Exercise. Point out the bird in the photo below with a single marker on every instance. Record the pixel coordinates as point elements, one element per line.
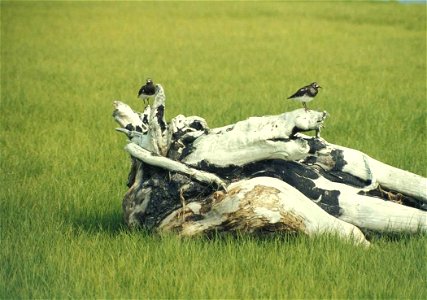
<point>147,90</point>
<point>306,94</point>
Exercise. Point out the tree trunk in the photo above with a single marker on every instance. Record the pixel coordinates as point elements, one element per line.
<point>260,175</point>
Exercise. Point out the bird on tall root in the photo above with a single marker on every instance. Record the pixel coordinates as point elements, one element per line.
<point>147,90</point>
<point>306,94</point>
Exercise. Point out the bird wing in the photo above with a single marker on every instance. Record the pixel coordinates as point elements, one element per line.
<point>301,92</point>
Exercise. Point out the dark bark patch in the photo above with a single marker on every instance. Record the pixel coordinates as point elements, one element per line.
<point>346,178</point>
<point>130,127</point>
<point>293,173</point>
<point>186,151</point>
<point>338,158</point>
<point>194,218</point>
<point>159,116</point>
<point>165,196</point>
<point>132,173</point>
<point>145,119</point>
<point>279,140</point>
<point>390,195</point>
<point>196,125</point>
<point>294,131</point>
<point>315,145</point>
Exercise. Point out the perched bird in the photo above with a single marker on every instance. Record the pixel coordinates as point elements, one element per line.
<point>147,90</point>
<point>306,94</point>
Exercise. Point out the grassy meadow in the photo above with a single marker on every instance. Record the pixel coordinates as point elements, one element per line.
<point>63,168</point>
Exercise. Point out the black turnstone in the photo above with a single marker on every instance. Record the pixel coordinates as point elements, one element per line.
<point>147,90</point>
<point>306,94</point>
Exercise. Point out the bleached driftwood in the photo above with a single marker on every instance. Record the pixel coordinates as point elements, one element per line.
<point>260,174</point>
<point>260,204</point>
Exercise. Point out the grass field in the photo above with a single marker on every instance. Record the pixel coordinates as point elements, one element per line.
<point>63,168</point>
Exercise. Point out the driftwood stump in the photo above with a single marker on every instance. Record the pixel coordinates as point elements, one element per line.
<point>260,175</point>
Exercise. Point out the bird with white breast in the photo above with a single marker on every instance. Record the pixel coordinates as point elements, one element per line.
<point>306,94</point>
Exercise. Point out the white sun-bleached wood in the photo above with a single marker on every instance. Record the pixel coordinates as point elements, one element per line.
<point>258,139</point>
<point>264,202</point>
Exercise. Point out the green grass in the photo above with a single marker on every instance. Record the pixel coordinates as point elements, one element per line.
<point>63,168</point>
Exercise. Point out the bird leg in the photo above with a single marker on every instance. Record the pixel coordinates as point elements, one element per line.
<point>305,106</point>
<point>146,102</point>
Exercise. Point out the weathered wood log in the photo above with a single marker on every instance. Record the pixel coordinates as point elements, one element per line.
<point>260,174</point>
<point>256,139</point>
<point>261,204</point>
<point>171,165</point>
